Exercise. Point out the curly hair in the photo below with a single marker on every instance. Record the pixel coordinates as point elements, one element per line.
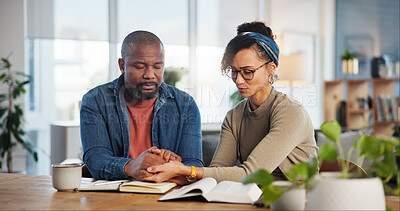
<point>244,42</point>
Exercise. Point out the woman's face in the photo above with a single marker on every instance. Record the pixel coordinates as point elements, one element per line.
<point>248,59</point>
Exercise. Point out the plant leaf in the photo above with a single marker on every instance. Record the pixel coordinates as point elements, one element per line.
<point>35,156</point>
<point>264,179</point>
<point>332,130</point>
<point>24,83</point>
<point>5,140</point>
<point>312,166</point>
<point>328,152</point>
<point>18,110</point>
<point>260,177</point>
<point>3,111</point>
<point>271,193</point>
<point>372,148</point>
<point>236,97</point>
<point>2,76</point>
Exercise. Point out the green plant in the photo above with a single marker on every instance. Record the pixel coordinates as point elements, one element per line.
<point>381,154</point>
<point>264,179</point>
<point>11,114</point>
<point>173,75</point>
<point>348,55</point>
<point>236,98</point>
<point>299,174</point>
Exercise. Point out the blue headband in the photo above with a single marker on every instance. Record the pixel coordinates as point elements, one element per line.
<point>267,44</point>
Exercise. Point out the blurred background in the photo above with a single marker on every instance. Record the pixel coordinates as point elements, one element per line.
<point>71,46</point>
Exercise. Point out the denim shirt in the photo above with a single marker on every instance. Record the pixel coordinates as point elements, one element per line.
<point>105,130</point>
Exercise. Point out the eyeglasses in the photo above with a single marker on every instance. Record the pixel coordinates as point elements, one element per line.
<point>247,74</point>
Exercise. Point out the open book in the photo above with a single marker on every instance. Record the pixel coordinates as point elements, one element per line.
<point>225,191</point>
<point>133,186</point>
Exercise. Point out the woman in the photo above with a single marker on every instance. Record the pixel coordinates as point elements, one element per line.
<point>267,130</point>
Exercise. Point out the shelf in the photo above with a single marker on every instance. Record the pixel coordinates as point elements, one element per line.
<point>360,111</point>
<point>351,91</point>
<point>384,80</point>
<point>386,122</point>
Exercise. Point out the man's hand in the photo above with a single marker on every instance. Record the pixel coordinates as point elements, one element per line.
<point>136,168</point>
<point>166,154</point>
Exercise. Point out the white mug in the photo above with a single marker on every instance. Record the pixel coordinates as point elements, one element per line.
<point>293,199</point>
<point>66,176</point>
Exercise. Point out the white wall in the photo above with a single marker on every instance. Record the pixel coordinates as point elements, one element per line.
<point>12,40</point>
<point>376,33</point>
<point>12,31</point>
<point>314,17</point>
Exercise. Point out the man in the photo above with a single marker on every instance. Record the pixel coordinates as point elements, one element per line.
<point>136,121</point>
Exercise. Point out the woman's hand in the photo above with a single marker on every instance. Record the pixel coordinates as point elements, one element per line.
<point>171,171</point>
<point>180,180</point>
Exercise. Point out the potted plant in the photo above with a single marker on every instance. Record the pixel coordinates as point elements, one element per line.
<point>301,178</point>
<point>346,189</point>
<point>236,98</point>
<point>349,62</point>
<point>173,75</point>
<point>11,114</point>
<point>378,156</point>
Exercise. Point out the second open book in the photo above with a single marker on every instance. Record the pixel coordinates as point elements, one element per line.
<point>225,191</point>
<point>133,186</point>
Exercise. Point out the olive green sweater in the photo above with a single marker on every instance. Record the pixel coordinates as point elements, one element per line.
<point>276,135</point>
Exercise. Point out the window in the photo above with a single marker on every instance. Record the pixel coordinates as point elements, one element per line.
<point>78,67</point>
<point>217,22</point>
<point>73,46</point>
<point>169,20</point>
<point>67,54</point>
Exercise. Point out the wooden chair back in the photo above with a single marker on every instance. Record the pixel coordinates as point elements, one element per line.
<point>334,166</point>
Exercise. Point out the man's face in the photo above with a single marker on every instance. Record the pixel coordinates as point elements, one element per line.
<point>143,70</point>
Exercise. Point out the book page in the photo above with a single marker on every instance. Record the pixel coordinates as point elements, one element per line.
<point>195,189</point>
<point>146,187</point>
<point>100,185</point>
<point>234,192</point>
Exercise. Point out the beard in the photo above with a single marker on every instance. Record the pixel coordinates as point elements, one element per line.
<point>134,93</point>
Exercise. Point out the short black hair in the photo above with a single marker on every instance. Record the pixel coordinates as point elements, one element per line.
<point>138,37</point>
<point>244,42</point>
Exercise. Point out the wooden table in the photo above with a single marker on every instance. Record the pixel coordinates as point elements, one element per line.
<point>35,192</point>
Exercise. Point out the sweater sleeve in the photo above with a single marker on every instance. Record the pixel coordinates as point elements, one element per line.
<point>290,126</point>
<point>226,153</point>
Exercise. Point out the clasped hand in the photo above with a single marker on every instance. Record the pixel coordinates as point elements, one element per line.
<point>172,171</point>
<point>137,168</point>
